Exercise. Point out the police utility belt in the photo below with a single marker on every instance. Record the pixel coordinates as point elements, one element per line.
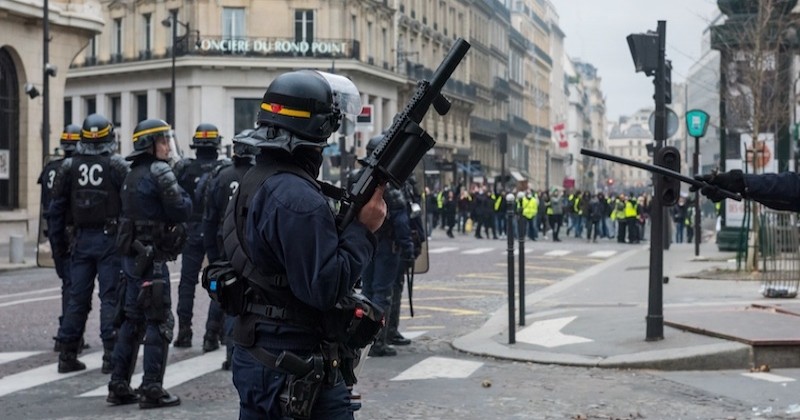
<point>150,243</point>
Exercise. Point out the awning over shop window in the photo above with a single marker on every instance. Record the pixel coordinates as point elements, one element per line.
<point>516,175</point>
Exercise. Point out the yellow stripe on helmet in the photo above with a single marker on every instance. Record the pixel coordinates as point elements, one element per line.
<point>206,134</point>
<point>94,134</point>
<point>282,110</point>
<point>70,136</point>
<point>149,131</point>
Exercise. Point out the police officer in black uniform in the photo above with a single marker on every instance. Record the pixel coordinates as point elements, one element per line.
<point>394,246</point>
<point>87,187</point>
<point>69,142</point>
<point>206,141</point>
<point>222,184</point>
<point>151,232</point>
<point>306,266</point>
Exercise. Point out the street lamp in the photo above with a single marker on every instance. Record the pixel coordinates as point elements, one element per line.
<point>168,22</point>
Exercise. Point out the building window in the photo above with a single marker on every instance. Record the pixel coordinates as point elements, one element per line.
<point>148,35</point>
<point>245,113</point>
<point>67,111</point>
<point>304,25</point>
<point>141,107</point>
<point>116,111</point>
<point>233,23</point>
<point>116,54</point>
<point>91,105</point>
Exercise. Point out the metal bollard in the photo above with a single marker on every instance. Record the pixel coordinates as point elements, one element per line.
<point>16,250</point>
<point>522,228</point>
<point>510,234</point>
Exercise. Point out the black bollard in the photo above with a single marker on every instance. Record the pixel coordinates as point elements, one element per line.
<point>522,226</point>
<point>510,233</point>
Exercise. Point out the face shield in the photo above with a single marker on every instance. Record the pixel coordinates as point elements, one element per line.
<point>347,99</point>
<point>175,152</point>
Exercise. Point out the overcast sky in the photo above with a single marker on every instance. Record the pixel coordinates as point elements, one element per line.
<point>596,30</point>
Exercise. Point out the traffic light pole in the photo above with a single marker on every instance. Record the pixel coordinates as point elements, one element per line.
<point>655,302</point>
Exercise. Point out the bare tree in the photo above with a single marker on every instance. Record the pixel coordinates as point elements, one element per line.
<point>757,44</point>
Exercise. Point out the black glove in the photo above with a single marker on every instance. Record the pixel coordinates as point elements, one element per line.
<point>732,181</point>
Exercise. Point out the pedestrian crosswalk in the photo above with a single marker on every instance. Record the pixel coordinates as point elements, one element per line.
<point>604,254</point>
<point>188,369</point>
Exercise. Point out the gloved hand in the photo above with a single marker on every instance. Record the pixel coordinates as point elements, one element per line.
<point>407,255</point>
<point>732,181</point>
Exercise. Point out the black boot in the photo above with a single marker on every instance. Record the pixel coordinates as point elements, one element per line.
<point>184,335</point>
<point>68,358</point>
<point>155,396</point>
<point>381,349</point>
<point>108,357</point>
<point>121,393</point>
<point>210,341</point>
<point>397,339</point>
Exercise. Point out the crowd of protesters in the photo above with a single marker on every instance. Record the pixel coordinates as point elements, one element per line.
<point>482,211</point>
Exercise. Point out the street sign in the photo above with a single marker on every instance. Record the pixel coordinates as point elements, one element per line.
<point>365,117</point>
<point>696,122</point>
<point>672,122</point>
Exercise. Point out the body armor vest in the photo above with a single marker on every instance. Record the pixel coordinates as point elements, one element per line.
<point>228,181</point>
<point>273,289</point>
<point>188,179</point>
<point>94,197</point>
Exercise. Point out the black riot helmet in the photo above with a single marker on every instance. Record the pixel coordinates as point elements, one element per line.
<point>97,136</point>
<point>303,108</point>
<point>373,143</point>
<point>145,134</point>
<point>206,135</point>
<point>70,138</point>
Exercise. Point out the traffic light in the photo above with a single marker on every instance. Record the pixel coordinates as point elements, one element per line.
<point>669,157</point>
<point>644,51</point>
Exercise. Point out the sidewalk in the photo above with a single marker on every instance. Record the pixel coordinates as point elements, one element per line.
<point>598,318</point>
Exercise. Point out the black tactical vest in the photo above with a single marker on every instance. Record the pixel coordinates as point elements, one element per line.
<point>189,177</point>
<point>94,197</point>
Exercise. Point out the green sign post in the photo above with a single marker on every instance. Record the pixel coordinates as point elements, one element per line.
<point>696,125</point>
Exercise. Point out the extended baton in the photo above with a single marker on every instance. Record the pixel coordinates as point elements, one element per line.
<point>661,171</point>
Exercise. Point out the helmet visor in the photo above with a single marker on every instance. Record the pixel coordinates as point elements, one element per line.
<point>345,93</point>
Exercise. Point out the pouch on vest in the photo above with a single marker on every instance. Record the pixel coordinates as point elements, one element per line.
<point>225,287</point>
<point>356,321</point>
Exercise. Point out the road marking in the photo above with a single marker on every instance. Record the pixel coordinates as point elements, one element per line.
<point>21,301</point>
<point>548,333</point>
<point>44,374</point>
<point>439,367</point>
<point>557,253</point>
<point>478,251</point>
<point>602,254</point>
<point>769,377</point>
<point>516,251</point>
<point>455,289</point>
<point>176,373</point>
<point>16,355</point>
<point>412,334</point>
<point>442,250</point>
<point>454,311</point>
<point>32,292</point>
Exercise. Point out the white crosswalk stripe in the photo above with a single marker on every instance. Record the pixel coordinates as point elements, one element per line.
<point>602,254</point>
<point>478,251</point>
<point>45,374</point>
<point>442,250</point>
<point>176,373</point>
<point>439,367</point>
<point>769,377</point>
<point>16,355</point>
<point>557,253</point>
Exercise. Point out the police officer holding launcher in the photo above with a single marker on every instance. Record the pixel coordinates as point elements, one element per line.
<point>154,208</point>
<point>69,142</point>
<point>290,230</point>
<point>205,142</point>
<point>87,187</point>
<point>222,184</point>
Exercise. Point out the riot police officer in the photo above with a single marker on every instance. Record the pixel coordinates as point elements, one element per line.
<point>306,266</point>
<point>154,208</point>
<point>205,142</point>
<point>222,185</point>
<point>69,142</point>
<point>87,187</point>
<point>394,246</point>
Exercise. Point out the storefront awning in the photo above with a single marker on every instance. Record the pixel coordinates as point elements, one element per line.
<point>517,176</point>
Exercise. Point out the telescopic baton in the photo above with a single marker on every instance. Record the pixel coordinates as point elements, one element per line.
<point>661,171</point>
